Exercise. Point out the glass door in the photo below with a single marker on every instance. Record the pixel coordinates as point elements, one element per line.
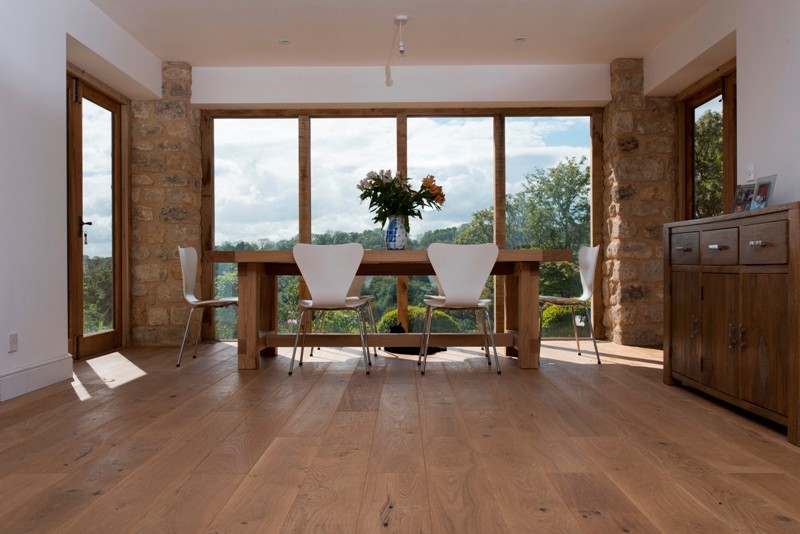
<point>92,226</point>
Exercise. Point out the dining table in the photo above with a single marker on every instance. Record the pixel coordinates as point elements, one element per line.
<point>516,302</point>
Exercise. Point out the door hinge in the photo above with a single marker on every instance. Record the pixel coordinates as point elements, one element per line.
<point>77,347</point>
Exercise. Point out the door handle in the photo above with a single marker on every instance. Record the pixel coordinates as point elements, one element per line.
<point>81,224</point>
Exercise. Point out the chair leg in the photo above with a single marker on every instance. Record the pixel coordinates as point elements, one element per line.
<point>484,329</point>
<point>491,338</point>
<point>372,322</point>
<point>199,332</point>
<point>591,331</point>
<point>426,336</point>
<point>575,329</point>
<point>321,331</point>
<point>300,320</point>
<point>185,335</point>
<point>362,331</point>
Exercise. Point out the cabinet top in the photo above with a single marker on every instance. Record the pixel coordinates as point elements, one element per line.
<point>737,216</point>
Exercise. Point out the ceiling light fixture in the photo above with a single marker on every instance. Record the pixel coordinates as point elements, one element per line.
<point>401,46</point>
<point>399,21</point>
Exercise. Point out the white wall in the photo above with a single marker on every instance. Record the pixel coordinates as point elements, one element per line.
<point>33,50</point>
<point>768,87</point>
<point>33,297</point>
<point>485,85</point>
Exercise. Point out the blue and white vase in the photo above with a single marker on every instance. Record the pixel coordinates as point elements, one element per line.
<point>396,235</point>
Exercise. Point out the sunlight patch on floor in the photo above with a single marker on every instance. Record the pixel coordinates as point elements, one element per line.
<point>80,389</point>
<point>115,370</point>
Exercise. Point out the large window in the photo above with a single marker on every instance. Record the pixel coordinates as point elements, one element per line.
<point>292,176</point>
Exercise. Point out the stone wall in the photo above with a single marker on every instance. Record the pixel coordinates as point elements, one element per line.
<point>165,206</point>
<point>640,170</point>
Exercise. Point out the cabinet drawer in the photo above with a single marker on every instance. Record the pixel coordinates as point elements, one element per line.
<point>764,244</point>
<point>684,248</point>
<point>719,247</point>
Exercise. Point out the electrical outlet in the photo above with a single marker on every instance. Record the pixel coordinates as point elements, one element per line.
<point>13,344</point>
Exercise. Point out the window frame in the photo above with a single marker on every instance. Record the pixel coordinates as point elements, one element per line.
<point>722,81</point>
<point>595,115</point>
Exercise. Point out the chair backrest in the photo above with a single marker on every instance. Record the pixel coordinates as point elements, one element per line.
<point>587,263</point>
<point>328,270</point>
<point>188,257</point>
<point>462,270</point>
<point>355,287</point>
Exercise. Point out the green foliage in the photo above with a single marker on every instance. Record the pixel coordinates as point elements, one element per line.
<point>557,322</point>
<point>479,230</point>
<point>98,294</point>
<point>553,209</point>
<point>441,321</point>
<point>708,165</point>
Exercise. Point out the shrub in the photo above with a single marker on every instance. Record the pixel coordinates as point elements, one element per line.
<point>442,322</point>
<point>557,322</point>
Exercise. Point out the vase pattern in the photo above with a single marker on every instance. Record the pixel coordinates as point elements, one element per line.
<point>396,237</point>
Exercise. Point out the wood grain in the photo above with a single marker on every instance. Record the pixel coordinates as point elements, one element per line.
<point>569,447</point>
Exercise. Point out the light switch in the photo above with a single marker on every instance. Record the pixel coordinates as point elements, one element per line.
<point>750,173</point>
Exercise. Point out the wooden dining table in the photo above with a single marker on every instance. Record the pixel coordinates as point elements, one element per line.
<point>516,302</point>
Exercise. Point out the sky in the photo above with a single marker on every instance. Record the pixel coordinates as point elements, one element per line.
<point>97,166</point>
<point>256,168</point>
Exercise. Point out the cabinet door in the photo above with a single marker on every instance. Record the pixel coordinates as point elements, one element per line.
<point>719,332</point>
<point>684,323</point>
<point>764,341</point>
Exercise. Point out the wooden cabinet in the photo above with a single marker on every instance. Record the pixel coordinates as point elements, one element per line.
<point>731,310</point>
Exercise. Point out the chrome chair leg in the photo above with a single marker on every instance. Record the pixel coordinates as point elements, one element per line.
<point>426,336</point>
<point>362,331</point>
<point>185,335</point>
<point>491,338</point>
<point>575,329</point>
<point>300,319</point>
<point>591,331</point>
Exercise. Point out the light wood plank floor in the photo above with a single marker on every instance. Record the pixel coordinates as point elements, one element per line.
<point>136,445</point>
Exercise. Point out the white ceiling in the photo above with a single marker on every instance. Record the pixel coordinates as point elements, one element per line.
<point>216,33</point>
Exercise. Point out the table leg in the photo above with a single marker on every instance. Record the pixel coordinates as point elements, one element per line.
<point>527,314</point>
<point>249,292</point>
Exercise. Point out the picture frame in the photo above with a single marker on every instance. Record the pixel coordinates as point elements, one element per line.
<point>744,197</point>
<point>763,192</point>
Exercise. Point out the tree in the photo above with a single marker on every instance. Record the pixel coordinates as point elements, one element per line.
<point>708,165</point>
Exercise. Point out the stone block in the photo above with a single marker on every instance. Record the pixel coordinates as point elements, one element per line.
<point>157,316</point>
<point>144,335</point>
<point>171,109</point>
<point>172,214</point>
<point>142,213</point>
<point>175,180</point>
<point>149,272</point>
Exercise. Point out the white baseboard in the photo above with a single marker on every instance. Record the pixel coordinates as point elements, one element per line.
<point>22,380</point>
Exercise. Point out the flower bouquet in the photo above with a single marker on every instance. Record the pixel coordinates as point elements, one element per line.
<point>393,196</point>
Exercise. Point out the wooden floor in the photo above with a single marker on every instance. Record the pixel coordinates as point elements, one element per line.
<point>136,445</point>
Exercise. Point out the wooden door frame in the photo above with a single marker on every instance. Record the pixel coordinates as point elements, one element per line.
<point>80,85</point>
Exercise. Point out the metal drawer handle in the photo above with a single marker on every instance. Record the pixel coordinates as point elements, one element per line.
<point>683,249</point>
<point>717,247</point>
<point>758,243</point>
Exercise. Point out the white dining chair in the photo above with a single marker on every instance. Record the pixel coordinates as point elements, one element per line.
<point>587,264</point>
<point>328,271</point>
<point>188,260</point>
<point>355,291</point>
<point>461,271</point>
